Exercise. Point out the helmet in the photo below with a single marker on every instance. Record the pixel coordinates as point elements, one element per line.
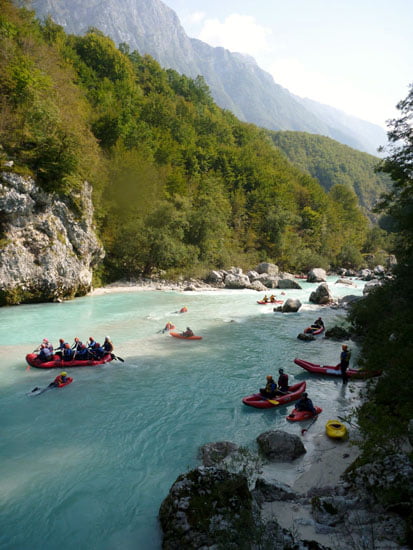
<point>45,340</point>
<point>91,338</point>
<point>97,345</point>
<point>83,346</point>
<point>269,377</point>
<point>281,370</point>
<point>67,346</point>
<point>61,339</point>
<point>344,346</point>
<point>187,328</point>
<point>305,394</point>
<point>107,338</point>
<point>76,339</point>
<point>64,373</point>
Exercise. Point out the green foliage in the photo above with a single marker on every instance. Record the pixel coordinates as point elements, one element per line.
<point>384,319</point>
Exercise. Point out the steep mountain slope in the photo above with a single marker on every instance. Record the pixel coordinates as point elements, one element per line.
<point>237,83</point>
<point>331,163</point>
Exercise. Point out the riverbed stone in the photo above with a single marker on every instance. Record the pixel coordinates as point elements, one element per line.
<point>317,275</point>
<point>280,446</point>
<point>321,295</point>
<point>291,305</point>
<point>214,453</point>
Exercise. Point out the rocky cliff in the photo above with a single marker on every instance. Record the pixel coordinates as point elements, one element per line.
<point>47,249</point>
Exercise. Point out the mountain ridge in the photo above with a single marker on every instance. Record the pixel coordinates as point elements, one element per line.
<point>236,81</point>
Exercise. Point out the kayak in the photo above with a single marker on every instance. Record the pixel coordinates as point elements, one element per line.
<point>334,370</point>
<point>262,303</point>
<point>179,335</point>
<point>310,330</point>
<point>57,362</point>
<point>38,391</point>
<point>297,416</point>
<point>336,429</point>
<point>260,402</point>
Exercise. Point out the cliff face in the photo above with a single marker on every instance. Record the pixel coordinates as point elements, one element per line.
<point>47,251</point>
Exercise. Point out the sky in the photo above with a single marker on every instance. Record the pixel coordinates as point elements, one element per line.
<point>355,55</point>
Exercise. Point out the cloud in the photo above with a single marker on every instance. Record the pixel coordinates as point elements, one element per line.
<point>194,18</point>
<point>237,33</point>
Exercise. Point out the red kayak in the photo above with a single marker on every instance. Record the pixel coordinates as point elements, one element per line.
<point>260,402</point>
<point>57,362</point>
<point>334,370</point>
<point>262,303</point>
<point>297,416</point>
<point>180,335</point>
<point>310,330</point>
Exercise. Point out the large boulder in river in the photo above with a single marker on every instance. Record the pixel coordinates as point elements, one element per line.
<point>280,446</point>
<point>207,507</point>
<point>321,295</point>
<point>291,305</point>
<point>236,280</point>
<point>317,275</point>
<point>258,286</point>
<point>265,267</point>
<point>288,283</point>
<point>306,336</point>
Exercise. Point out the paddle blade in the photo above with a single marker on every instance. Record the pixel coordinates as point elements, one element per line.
<point>273,401</point>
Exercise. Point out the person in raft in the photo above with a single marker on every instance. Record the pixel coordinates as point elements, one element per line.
<point>68,352</point>
<point>77,344</point>
<point>344,362</point>
<point>273,298</point>
<point>59,380</point>
<point>270,388</point>
<point>45,354</point>
<point>318,323</point>
<point>282,382</point>
<point>107,345</point>
<point>265,299</point>
<point>61,347</point>
<point>305,404</point>
<point>82,354</point>
<point>188,332</point>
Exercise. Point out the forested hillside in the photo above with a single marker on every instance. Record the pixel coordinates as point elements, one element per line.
<point>331,163</point>
<point>179,184</point>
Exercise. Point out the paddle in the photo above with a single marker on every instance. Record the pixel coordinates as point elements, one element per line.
<point>39,391</point>
<point>117,357</point>
<point>304,430</point>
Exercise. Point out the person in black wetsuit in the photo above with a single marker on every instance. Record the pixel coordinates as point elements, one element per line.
<point>282,382</point>
<point>305,404</point>
<point>344,362</point>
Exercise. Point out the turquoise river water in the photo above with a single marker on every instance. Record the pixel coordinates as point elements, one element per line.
<point>87,466</point>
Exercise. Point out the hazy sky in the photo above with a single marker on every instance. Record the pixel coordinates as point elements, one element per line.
<point>355,55</point>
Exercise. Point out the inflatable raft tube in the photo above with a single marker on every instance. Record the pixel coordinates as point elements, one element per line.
<point>298,416</point>
<point>182,337</point>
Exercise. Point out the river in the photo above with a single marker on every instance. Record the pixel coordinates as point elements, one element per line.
<point>88,465</point>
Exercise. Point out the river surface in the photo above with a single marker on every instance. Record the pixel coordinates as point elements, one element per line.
<point>87,466</point>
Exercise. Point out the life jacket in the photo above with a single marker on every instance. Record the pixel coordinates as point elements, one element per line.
<point>271,386</point>
<point>60,380</point>
<point>345,356</point>
<point>108,346</point>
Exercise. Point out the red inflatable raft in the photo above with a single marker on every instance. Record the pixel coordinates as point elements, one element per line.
<point>260,402</point>
<point>334,370</point>
<point>262,303</point>
<point>310,330</point>
<point>180,335</point>
<point>297,416</point>
<point>57,362</point>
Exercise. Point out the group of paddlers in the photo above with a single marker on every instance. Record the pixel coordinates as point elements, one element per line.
<point>78,350</point>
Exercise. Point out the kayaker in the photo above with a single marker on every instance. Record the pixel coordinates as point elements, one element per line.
<point>91,343</point>
<point>265,299</point>
<point>168,326</point>
<point>305,404</point>
<point>187,333</point>
<point>318,323</point>
<point>59,380</point>
<point>273,298</point>
<point>344,362</point>
<point>282,381</point>
<point>270,388</point>
<point>107,345</point>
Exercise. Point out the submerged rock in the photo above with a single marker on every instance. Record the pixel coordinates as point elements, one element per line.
<point>307,337</point>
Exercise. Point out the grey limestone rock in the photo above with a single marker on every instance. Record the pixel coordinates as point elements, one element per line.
<point>321,295</point>
<point>280,446</point>
<point>317,275</point>
<point>291,305</point>
<point>213,453</point>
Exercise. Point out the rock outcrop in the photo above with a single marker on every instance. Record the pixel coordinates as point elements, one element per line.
<point>47,250</point>
<point>280,446</point>
<point>321,295</point>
